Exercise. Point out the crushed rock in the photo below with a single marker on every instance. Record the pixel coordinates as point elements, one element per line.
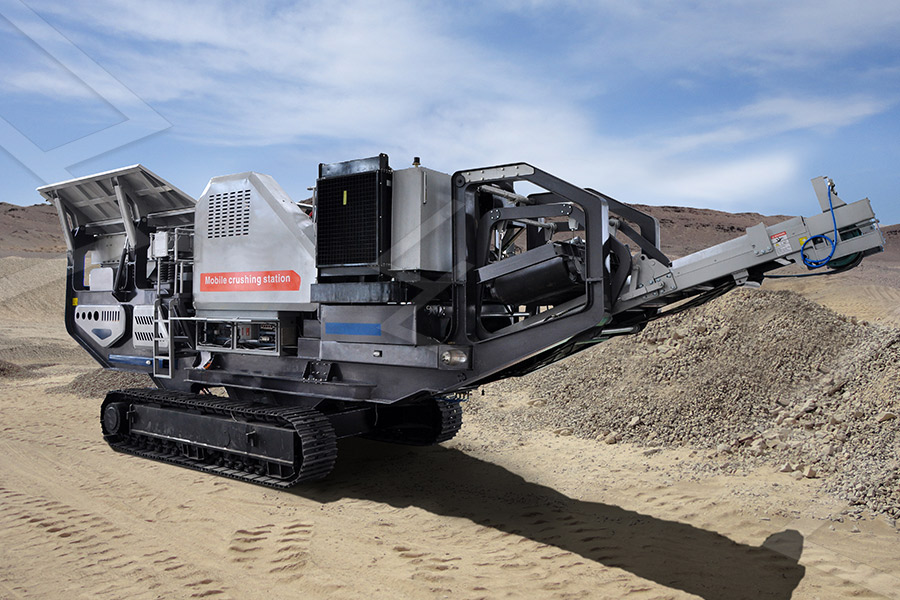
<point>100,381</point>
<point>774,378</point>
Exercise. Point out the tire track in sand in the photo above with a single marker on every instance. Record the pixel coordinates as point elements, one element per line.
<point>97,556</point>
<point>280,551</point>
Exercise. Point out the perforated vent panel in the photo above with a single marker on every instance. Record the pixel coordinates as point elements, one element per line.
<point>229,214</point>
<point>105,324</point>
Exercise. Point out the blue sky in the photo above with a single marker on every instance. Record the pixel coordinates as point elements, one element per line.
<point>733,105</point>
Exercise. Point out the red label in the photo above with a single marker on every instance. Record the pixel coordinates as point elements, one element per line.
<point>250,281</point>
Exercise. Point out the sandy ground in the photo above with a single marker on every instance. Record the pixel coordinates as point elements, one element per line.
<point>492,514</point>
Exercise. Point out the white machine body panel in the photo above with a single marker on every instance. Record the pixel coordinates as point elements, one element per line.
<point>254,248</point>
<point>103,323</point>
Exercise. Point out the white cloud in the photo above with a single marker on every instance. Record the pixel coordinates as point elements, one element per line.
<point>787,114</point>
<point>728,185</point>
<point>773,117</point>
<point>737,35</point>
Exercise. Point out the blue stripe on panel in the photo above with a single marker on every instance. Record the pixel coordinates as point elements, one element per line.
<point>336,328</point>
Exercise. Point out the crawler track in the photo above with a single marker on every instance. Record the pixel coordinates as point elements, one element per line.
<point>316,447</point>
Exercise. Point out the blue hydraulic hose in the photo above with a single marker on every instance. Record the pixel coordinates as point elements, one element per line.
<point>815,264</point>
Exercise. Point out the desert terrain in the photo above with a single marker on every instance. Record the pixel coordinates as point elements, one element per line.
<point>746,449</point>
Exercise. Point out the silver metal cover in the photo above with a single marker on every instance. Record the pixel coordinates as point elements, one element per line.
<point>254,248</point>
<point>104,323</point>
<point>101,279</point>
<point>421,225</point>
<point>92,200</point>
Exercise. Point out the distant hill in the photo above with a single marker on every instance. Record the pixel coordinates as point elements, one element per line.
<point>30,231</point>
<point>685,230</point>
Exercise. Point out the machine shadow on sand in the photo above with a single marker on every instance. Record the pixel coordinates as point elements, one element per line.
<point>450,483</point>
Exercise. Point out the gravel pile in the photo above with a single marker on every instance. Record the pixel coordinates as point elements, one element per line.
<point>97,383</point>
<point>755,376</point>
<point>13,371</point>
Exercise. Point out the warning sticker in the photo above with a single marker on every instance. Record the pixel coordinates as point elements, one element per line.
<point>782,243</point>
<point>250,281</point>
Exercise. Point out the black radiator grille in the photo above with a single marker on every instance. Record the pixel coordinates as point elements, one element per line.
<point>349,211</point>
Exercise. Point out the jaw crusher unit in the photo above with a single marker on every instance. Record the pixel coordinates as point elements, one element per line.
<point>373,308</point>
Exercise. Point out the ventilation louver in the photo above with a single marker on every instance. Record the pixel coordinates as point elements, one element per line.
<point>142,331</point>
<point>229,214</point>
